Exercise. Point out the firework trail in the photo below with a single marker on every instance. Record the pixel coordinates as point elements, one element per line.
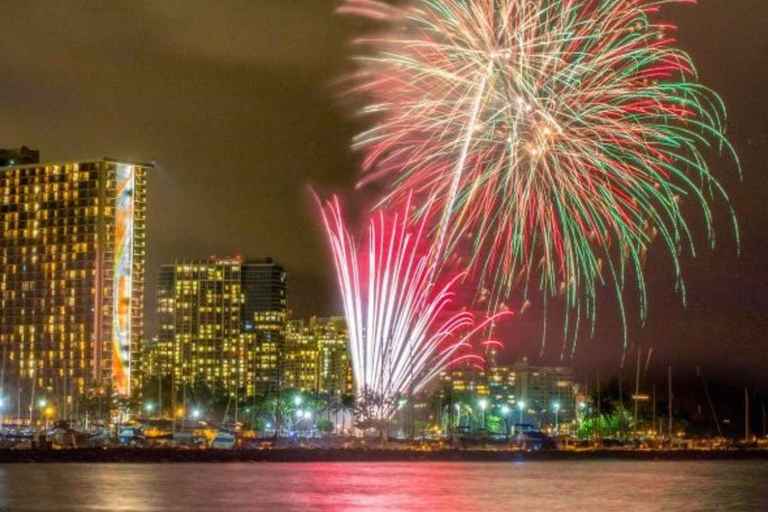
<point>400,330</point>
<point>558,137</point>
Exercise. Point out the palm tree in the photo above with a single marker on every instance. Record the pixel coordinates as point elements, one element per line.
<point>333,408</point>
<point>347,405</point>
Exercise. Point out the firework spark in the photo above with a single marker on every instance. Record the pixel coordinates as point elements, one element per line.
<point>558,136</point>
<point>400,330</point>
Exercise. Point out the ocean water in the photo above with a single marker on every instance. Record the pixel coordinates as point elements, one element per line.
<point>420,486</point>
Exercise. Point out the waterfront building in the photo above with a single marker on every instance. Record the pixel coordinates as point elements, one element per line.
<point>264,316</point>
<point>302,358</point>
<point>154,361</point>
<point>222,325</point>
<point>335,366</point>
<point>317,359</point>
<point>501,384</point>
<point>548,393</point>
<point>467,379</point>
<point>72,249</point>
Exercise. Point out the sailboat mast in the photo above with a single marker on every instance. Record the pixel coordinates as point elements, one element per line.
<point>669,386</point>
<point>637,389</point>
<point>746,415</point>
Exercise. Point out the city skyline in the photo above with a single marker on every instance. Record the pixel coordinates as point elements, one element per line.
<point>255,201</point>
<point>417,254</point>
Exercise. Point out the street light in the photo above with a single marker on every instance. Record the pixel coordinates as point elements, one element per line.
<point>521,406</point>
<point>483,403</point>
<point>297,402</point>
<point>41,404</point>
<point>148,407</point>
<point>195,414</point>
<point>505,410</point>
<point>556,407</point>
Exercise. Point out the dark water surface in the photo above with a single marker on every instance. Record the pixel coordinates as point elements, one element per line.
<point>423,486</point>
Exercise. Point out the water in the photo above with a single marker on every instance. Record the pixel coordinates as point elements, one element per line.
<point>445,487</point>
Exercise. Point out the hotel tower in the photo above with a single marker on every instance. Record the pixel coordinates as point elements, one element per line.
<point>222,325</point>
<point>72,245</point>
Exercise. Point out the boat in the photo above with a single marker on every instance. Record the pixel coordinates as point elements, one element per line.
<point>224,441</point>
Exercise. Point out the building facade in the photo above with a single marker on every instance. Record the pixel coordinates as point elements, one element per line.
<point>317,358</point>
<point>465,380</point>
<point>72,250</point>
<point>547,392</point>
<point>335,366</point>
<point>538,396</point>
<point>302,358</point>
<point>264,317</point>
<point>222,325</point>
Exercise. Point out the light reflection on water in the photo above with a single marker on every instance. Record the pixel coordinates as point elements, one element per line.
<point>425,486</point>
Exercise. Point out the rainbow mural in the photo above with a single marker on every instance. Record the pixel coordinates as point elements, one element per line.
<point>123,279</point>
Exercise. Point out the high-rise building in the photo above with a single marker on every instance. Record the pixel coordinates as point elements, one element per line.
<point>548,393</point>
<point>317,358</point>
<point>222,324</point>
<point>335,372</point>
<point>501,384</point>
<point>200,313</point>
<point>466,379</point>
<point>154,362</point>
<point>302,358</point>
<point>72,245</point>
<point>264,316</point>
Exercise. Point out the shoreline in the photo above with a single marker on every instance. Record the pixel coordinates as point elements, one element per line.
<point>299,455</point>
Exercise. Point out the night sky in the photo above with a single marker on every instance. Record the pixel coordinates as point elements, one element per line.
<point>235,102</point>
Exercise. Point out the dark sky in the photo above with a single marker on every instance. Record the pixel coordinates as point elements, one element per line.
<point>235,102</point>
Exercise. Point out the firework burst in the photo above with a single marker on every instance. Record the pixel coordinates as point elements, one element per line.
<point>558,137</point>
<point>401,332</point>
